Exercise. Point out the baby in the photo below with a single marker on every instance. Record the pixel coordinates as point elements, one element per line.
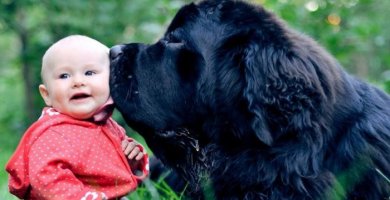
<point>75,150</point>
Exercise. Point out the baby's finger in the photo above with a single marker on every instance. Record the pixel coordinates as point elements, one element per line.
<point>134,153</point>
<point>129,148</point>
<point>124,144</point>
<point>139,156</point>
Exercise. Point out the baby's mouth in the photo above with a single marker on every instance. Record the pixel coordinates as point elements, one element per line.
<point>80,96</point>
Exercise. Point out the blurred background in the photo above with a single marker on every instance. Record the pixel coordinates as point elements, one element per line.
<point>356,32</point>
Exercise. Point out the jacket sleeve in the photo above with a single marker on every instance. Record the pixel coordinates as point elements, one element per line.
<point>52,162</point>
<point>141,169</point>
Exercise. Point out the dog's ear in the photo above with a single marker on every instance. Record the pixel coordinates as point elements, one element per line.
<point>238,50</point>
<point>254,83</point>
<point>285,88</point>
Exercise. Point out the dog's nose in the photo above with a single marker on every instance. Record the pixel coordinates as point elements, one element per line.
<point>116,51</point>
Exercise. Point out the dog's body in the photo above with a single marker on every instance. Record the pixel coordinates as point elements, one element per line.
<point>232,95</point>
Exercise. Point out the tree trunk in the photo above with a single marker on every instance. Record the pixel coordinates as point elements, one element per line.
<point>22,33</point>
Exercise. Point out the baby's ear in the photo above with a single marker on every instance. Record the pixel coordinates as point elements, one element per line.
<point>45,94</point>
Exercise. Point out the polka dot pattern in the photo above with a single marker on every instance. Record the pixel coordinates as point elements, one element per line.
<point>63,158</point>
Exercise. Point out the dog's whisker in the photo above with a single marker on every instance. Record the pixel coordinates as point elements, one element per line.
<point>128,94</point>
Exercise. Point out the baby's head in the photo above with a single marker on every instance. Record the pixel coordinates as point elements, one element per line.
<point>75,74</point>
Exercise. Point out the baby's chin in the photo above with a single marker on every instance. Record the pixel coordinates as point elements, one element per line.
<point>80,115</point>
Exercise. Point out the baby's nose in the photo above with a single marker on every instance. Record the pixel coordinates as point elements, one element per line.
<point>78,81</point>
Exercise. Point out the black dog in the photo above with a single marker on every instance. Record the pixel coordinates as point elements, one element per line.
<point>239,104</point>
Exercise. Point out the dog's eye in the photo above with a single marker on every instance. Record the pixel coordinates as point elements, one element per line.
<point>173,43</point>
<point>171,38</point>
<point>176,45</point>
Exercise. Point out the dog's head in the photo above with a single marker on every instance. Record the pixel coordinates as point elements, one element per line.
<point>225,63</point>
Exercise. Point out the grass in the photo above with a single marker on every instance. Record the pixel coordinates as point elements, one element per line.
<point>155,190</point>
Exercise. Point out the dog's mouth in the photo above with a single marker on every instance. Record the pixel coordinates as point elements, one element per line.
<point>183,136</point>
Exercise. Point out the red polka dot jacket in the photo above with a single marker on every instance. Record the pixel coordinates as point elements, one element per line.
<point>63,158</point>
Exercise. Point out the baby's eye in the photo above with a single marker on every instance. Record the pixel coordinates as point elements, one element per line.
<point>90,73</point>
<point>64,76</point>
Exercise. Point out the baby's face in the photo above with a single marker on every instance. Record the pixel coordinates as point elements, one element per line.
<point>76,79</point>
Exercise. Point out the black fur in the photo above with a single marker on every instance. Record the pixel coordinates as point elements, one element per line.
<point>239,104</point>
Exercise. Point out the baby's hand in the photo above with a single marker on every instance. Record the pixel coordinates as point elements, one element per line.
<point>131,150</point>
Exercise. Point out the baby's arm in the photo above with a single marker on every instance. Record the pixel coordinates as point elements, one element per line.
<point>137,157</point>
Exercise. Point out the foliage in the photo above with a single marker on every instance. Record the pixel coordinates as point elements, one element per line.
<point>356,32</point>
